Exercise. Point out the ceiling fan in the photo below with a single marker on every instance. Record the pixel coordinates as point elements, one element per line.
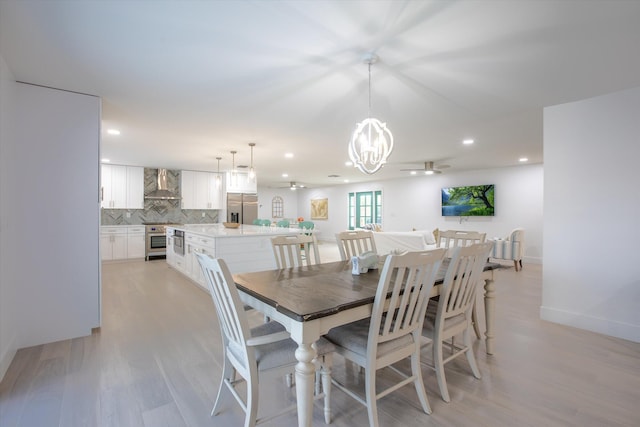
<point>429,169</point>
<point>293,185</point>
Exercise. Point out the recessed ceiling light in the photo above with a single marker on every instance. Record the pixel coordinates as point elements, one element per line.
<point>428,172</point>
<point>468,141</point>
<point>346,180</point>
<point>348,163</point>
<point>523,159</point>
<point>105,160</point>
<point>113,132</point>
<point>285,175</point>
<point>413,172</point>
<point>288,155</point>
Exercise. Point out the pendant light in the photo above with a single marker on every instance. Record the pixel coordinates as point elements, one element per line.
<point>233,176</point>
<point>371,143</point>
<point>234,171</point>
<point>252,172</point>
<point>218,177</point>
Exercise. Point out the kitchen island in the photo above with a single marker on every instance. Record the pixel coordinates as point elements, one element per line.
<point>245,249</point>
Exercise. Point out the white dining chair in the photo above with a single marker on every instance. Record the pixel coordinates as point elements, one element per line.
<point>451,239</point>
<point>454,307</point>
<point>295,251</point>
<point>353,243</point>
<point>266,350</point>
<point>393,332</point>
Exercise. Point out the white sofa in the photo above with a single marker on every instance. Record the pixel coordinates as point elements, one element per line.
<point>387,241</point>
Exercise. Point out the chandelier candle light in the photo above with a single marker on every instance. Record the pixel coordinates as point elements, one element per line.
<point>371,143</point>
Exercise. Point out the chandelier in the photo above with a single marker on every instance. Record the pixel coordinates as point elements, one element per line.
<point>371,143</point>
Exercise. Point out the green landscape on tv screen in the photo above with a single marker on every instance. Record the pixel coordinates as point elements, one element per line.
<point>475,200</point>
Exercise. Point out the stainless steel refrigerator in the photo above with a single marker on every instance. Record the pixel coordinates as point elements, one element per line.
<point>242,207</point>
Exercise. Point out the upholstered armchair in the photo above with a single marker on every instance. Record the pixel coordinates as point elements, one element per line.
<point>511,248</point>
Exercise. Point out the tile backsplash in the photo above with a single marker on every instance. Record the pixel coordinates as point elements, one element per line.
<point>159,210</point>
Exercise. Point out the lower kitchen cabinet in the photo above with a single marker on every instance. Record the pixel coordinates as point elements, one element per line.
<point>135,242</point>
<point>171,255</point>
<point>113,243</point>
<point>197,244</point>
<point>119,242</point>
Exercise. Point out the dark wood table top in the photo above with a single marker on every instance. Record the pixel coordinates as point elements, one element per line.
<point>308,293</point>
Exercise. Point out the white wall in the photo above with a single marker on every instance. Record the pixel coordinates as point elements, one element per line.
<point>56,262</point>
<point>591,276</point>
<point>8,318</point>
<point>415,203</point>
<point>50,273</point>
<point>266,195</point>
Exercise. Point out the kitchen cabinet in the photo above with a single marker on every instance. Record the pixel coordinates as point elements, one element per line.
<point>197,244</point>
<point>200,190</point>
<point>135,242</point>
<point>240,183</point>
<point>118,242</point>
<point>244,249</point>
<point>122,187</point>
<point>114,187</point>
<point>113,243</point>
<point>171,255</point>
<point>135,188</point>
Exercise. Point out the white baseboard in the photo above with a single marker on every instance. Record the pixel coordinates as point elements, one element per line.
<point>602,326</point>
<point>532,260</point>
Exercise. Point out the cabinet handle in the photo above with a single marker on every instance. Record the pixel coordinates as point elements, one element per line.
<point>102,194</point>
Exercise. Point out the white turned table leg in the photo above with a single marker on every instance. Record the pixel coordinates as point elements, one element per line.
<point>489,312</point>
<point>305,378</point>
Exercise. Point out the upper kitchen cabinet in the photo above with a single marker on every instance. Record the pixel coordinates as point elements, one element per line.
<point>135,187</point>
<point>240,183</point>
<point>122,187</point>
<point>200,190</point>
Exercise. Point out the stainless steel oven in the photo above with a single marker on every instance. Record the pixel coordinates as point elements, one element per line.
<point>156,240</point>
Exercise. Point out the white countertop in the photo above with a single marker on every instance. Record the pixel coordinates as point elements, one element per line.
<point>219,230</point>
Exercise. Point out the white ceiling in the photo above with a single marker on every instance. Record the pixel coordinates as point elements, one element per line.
<point>191,80</point>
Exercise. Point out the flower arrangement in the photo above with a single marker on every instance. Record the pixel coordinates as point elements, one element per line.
<point>300,219</point>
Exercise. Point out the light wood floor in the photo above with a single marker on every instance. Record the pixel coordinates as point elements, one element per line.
<point>156,362</point>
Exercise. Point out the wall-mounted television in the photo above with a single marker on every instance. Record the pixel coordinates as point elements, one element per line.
<point>474,200</point>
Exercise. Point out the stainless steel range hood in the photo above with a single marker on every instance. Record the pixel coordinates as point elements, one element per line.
<point>163,192</point>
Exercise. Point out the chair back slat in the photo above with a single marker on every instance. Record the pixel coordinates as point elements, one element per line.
<point>353,243</point>
<point>454,238</point>
<point>226,299</point>
<point>402,295</point>
<point>295,251</point>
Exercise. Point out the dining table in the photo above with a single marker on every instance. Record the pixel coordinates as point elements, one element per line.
<point>310,300</point>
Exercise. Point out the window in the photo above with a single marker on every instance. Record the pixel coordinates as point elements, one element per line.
<point>365,208</point>
<point>277,207</point>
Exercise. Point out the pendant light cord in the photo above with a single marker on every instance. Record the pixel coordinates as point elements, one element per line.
<point>369,89</point>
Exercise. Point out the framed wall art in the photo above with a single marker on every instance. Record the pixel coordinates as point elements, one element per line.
<point>320,209</point>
